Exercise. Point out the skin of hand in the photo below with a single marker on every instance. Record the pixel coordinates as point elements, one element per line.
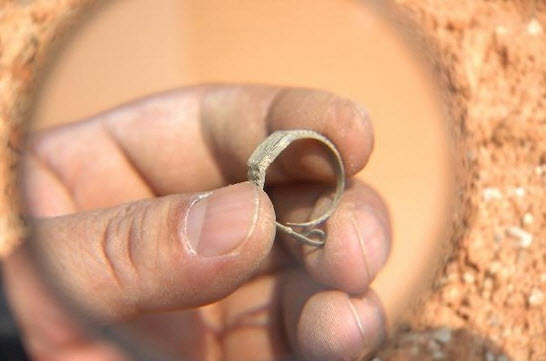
<point>143,216</point>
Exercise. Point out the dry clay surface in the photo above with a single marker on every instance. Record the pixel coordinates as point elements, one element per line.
<point>490,301</point>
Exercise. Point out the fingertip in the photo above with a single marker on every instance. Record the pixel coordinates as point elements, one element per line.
<point>223,237</point>
<point>357,131</point>
<point>369,315</point>
<point>368,142</point>
<point>334,326</point>
<point>220,222</point>
<point>346,123</point>
<point>339,263</point>
<point>373,236</point>
<point>357,245</point>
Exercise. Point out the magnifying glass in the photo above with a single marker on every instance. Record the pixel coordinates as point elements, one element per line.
<point>126,51</point>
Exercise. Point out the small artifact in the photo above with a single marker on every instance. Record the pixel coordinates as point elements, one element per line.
<point>268,151</point>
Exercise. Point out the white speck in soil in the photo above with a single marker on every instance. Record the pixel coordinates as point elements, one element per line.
<point>468,277</point>
<point>491,193</point>
<point>524,238</point>
<point>519,192</point>
<point>528,219</point>
<point>536,298</point>
<point>442,335</point>
<point>534,27</point>
<point>501,30</point>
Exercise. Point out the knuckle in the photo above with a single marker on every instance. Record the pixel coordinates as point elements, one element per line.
<point>122,234</point>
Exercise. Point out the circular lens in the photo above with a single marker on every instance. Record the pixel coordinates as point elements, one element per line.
<point>91,155</point>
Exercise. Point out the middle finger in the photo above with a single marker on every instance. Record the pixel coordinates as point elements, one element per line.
<point>358,234</point>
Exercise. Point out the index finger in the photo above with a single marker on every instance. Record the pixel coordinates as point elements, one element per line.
<point>199,138</point>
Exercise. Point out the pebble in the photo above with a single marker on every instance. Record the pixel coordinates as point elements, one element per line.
<point>519,192</point>
<point>442,335</point>
<point>536,298</point>
<point>489,356</point>
<point>528,219</point>
<point>438,355</point>
<point>534,27</point>
<point>502,358</point>
<point>525,238</point>
<point>452,294</point>
<point>468,277</point>
<point>543,278</point>
<point>501,30</point>
<point>490,193</point>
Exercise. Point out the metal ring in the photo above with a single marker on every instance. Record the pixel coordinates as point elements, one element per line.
<point>268,151</point>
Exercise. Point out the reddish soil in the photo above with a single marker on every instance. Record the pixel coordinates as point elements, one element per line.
<point>492,295</point>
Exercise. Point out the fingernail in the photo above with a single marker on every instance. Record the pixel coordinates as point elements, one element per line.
<point>370,319</point>
<point>374,239</point>
<point>219,222</point>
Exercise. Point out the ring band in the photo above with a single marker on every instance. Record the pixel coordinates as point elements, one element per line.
<point>268,151</point>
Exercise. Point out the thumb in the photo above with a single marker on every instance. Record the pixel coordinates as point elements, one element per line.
<point>165,253</point>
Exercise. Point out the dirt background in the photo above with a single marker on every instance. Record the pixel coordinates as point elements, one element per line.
<point>490,301</point>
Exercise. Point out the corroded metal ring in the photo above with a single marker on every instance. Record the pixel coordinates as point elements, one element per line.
<point>268,151</point>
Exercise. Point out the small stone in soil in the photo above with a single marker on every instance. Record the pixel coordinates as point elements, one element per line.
<point>528,219</point>
<point>519,192</point>
<point>442,334</point>
<point>468,277</point>
<point>536,298</point>
<point>525,239</point>
<point>534,27</point>
<point>490,193</point>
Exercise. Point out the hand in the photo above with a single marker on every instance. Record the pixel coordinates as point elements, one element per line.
<point>125,224</point>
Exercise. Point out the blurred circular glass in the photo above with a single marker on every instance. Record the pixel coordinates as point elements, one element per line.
<point>122,51</point>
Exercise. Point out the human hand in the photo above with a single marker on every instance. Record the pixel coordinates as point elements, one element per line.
<point>122,224</point>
